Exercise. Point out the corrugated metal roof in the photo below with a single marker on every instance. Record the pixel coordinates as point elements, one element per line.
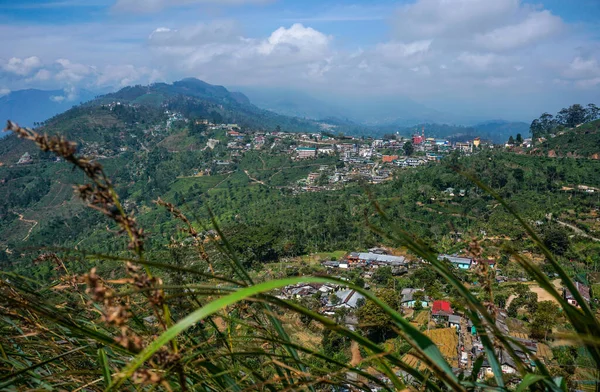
<point>374,257</point>
<point>455,259</point>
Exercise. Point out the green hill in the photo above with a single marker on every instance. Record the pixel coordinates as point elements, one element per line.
<point>579,142</point>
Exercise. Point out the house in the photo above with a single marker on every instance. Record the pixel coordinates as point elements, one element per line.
<point>408,300</point>
<point>583,290</point>
<point>347,299</point>
<point>441,310</point>
<point>306,152</point>
<point>389,158</point>
<point>507,365</point>
<point>25,159</point>
<point>454,321</point>
<point>458,262</point>
<point>376,258</point>
<point>312,177</point>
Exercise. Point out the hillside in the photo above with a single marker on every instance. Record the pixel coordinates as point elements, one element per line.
<point>579,142</point>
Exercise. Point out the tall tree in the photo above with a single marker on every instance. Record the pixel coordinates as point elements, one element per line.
<point>592,112</point>
<point>572,116</point>
<point>544,319</point>
<point>536,129</point>
<point>519,139</point>
<point>374,320</point>
<point>408,148</point>
<point>511,140</point>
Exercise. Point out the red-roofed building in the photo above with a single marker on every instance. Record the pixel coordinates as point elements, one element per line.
<point>441,308</point>
<point>389,158</point>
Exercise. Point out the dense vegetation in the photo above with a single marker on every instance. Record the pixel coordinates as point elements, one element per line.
<point>187,302</point>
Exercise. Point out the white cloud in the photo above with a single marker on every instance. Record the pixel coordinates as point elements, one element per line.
<point>57,98</point>
<point>582,68</point>
<point>4,91</point>
<point>72,72</point>
<point>399,53</point>
<point>536,27</point>
<point>451,18</point>
<point>23,66</point>
<point>298,49</point>
<point>148,6</point>
<point>126,75</point>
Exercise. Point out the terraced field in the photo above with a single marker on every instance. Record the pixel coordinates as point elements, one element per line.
<point>447,341</point>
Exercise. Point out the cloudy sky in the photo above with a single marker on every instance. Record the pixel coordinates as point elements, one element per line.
<point>504,58</point>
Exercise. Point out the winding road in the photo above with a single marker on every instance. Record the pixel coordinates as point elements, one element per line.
<point>22,219</point>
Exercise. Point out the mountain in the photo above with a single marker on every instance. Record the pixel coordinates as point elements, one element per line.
<point>31,105</point>
<point>293,103</point>
<point>499,130</point>
<point>123,118</point>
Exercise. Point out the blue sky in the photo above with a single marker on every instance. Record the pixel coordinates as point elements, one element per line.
<point>501,58</point>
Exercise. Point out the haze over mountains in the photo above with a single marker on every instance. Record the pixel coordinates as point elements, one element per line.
<point>367,115</point>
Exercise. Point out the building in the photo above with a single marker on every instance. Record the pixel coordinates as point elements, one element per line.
<point>458,262</point>
<point>306,152</point>
<point>389,158</point>
<point>583,290</point>
<point>313,177</point>
<point>25,159</point>
<point>408,300</point>
<point>441,308</point>
<point>454,321</point>
<point>346,299</point>
<point>376,258</point>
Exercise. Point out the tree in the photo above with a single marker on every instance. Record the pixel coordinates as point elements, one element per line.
<point>556,239</point>
<point>419,297</point>
<point>374,321</point>
<point>544,319</point>
<point>382,275</point>
<point>572,116</point>
<point>536,129</point>
<point>408,148</point>
<point>500,300</point>
<point>511,141</point>
<point>519,139</point>
<point>592,112</point>
<point>547,123</point>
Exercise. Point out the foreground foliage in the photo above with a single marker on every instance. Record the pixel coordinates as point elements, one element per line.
<point>163,325</point>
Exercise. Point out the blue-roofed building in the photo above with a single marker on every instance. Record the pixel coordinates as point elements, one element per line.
<point>459,262</point>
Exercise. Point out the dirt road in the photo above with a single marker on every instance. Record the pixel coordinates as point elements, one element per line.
<point>22,219</point>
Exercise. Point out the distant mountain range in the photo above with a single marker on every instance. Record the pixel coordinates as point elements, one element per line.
<point>386,110</point>
<point>29,106</point>
<point>269,107</point>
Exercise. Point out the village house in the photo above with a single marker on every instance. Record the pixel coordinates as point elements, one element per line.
<point>348,299</point>
<point>376,258</point>
<point>389,158</point>
<point>306,152</point>
<point>25,159</point>
<point>583,290</point>
<point>408,300</point>
<point>312,178</point>
<point>458,262</point>
<point>441,309</point>
<point>454,321</point>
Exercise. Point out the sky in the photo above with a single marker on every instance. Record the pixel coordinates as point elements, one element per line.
<point>509,59</point>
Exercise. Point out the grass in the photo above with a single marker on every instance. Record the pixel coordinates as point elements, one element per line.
<point>315,258</point>
<point>169,325</point>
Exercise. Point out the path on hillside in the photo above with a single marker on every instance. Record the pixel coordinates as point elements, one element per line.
<point>22,219</point>
<point>254,179</point>
<point>356,357</point>
<point>220,182</point>
<point>577,230</point>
